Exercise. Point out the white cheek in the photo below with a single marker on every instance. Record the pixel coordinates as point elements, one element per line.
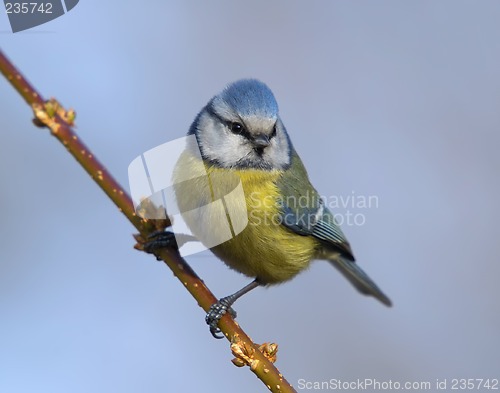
<point>219,145</point>
<point>278,154</point>
<point>229,152</point>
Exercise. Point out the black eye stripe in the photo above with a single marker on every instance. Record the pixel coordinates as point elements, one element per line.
<point>273,134</point>
<point>238,129</point>
<point>235,127</point>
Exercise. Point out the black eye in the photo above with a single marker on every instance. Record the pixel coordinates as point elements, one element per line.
<point>273,134</point>
<point>237,128</point>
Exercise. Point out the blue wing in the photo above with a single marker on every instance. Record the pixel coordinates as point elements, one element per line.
<point>319,222</point>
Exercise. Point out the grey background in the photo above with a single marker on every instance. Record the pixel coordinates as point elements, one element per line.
<point>388,98</point>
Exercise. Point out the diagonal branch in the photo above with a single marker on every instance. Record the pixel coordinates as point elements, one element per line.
<point>60,125</point>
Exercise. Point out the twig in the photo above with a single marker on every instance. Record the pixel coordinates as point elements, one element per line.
<point>47,113</point>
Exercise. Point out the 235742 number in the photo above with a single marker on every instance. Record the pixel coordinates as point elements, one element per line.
<point>474,384</point>
<point>28,8</point>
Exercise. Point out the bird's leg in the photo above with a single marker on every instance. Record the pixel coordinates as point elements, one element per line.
<point>217,310</point>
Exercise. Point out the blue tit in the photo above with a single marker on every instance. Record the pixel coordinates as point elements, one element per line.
<point>240,135</point>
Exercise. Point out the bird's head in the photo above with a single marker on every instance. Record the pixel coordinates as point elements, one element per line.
<point>241,128</point>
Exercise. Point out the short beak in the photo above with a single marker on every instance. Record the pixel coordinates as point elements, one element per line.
<point>261,141</point>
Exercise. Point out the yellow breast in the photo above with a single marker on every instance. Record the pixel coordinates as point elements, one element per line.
<point>264,248</point>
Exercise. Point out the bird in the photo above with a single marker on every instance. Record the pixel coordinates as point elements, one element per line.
<point>240,139</point>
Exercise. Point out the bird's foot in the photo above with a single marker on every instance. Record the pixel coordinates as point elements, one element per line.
<point>155,241</point>
<point>215,313</point>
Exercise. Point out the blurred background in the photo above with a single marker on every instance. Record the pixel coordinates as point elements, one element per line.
<point>398,100</point>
